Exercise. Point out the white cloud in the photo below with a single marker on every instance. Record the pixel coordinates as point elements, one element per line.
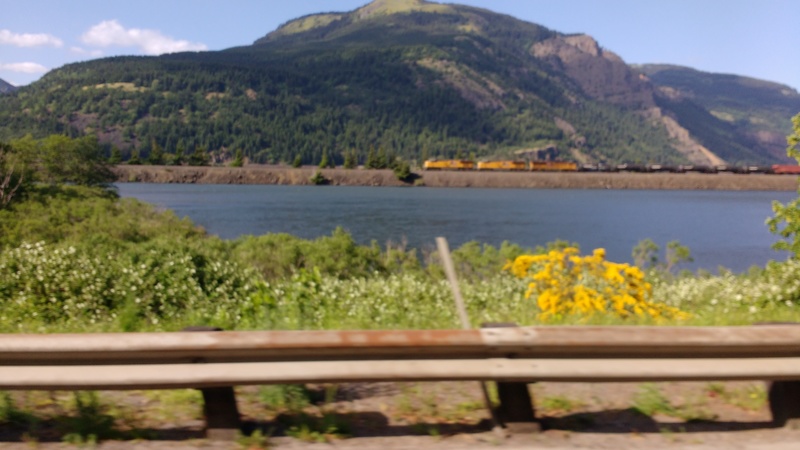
<point>111,33</point>
<point>24,67</point>
<point>29,40</point>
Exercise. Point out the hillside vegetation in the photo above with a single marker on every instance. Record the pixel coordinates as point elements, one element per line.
<point>411,78</point>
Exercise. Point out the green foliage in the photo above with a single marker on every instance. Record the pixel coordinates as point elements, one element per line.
<point>10,414</point>
<point>133,288</point>
<point>75,214</point>
<point>645,255</point>
<point>238,160</point>
<point>402,170</point>
<point>285,397</point>
<point>350,159</point>
<point>255,440</point>
<point>323,163</point>
<point>318,178</point>
<point>178,158</point>
<point>116,156</point>
<point>786,222</point>
<point>61,159</point>
<point>280,255</point>
<point>297,162</point>
<point>199,157</point>
<point>649,400</point>
<point>134,159</point>
<point>156,156</point>
<point>12,175</point>
<point>90,424</point>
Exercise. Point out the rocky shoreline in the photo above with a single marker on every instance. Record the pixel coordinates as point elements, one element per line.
<point>263,174</point>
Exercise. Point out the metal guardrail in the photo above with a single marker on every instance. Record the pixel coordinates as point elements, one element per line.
<point>211,360</point>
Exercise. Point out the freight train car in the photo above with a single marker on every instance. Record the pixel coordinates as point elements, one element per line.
<point>785,169</point>
<point>449,164</point>
<point>503,165</point>
<point>553,166</point>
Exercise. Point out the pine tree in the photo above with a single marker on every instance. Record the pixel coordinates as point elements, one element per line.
<point>134,160</point>
<point>350,159</point>
<point>238,160</point>
<point>116,156</point>
<point>156,156</point>
<point>177,160</point>
<point>323,163</point>
<point>199,157</point>
<point>372,160</point>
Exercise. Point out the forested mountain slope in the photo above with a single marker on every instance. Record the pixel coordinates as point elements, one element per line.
<point>6,87</point>
<point>755,111</point>
<point>412,78</point>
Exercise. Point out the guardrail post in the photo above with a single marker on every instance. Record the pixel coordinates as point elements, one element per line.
<point>221,414</point>
<point>516,412</point>
<point>784,396</point>
<point>784,403</point>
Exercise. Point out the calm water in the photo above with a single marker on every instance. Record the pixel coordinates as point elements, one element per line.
<point>721,228</point>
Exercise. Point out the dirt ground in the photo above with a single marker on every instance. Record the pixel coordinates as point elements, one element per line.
<point>450,416</point>
<point>254,174</point>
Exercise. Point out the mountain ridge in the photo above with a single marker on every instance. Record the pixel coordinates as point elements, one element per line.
<point>6,87</point>
<point>411,78</point>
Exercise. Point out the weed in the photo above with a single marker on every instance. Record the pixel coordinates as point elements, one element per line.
<point>90,423</point>
<point>177,403</point>
<point>560,403</point>
<point>290,397</point>
<point>257,440</point>
<point>469,406</point>
<point>11,414</point>
<point>325,429</point>
<point>649,400</point>
<point>751,397</point>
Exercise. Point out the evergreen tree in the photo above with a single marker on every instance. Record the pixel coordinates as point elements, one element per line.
<point>134,160</point>
<point>116,156</point>
<point>382,159</point>
<point>372,160</point>
<point>156,156</point>
<point>323,163</point>
<point>199,157</point>
<point>350,159</point>
<point>177,160</point>
<point>298,161</point>
<point>238,160</point>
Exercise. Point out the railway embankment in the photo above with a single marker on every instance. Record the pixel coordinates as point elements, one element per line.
<point>284,175</point>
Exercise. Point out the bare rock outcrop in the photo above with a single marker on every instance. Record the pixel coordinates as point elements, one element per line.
<point>601,74</point>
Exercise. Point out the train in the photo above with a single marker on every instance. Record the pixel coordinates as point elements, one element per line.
<point>568,166</point>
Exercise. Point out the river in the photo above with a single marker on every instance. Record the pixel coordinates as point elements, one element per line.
<point>722,228</point>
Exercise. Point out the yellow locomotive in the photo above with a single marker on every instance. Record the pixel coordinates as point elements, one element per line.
<point>502,165</point>
<point>449,164</point>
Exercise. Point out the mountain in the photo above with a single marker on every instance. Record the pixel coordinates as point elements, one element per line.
<point>6,87</point>
<point>754,110</point>
<point>395,77</point>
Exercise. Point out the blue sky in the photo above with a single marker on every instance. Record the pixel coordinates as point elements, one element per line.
<point>757,38</point>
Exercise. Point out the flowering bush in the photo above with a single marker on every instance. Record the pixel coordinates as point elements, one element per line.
<point>566,283</point>
<point>143,286</point>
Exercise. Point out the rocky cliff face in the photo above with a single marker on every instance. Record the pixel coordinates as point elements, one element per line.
<point>600,73</point>
<point>604,76</point>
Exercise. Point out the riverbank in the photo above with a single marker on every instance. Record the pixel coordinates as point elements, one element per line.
<point>263,174</point>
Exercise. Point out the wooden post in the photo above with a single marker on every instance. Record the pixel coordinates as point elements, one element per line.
<point>516,411</point>
<point>220,411</point>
